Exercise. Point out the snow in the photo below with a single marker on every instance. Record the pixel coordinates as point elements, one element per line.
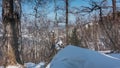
<point>114,57</point>
<point>48,66</point>
<point>33,65</point>
<point>40,65</point>
<point>15,66</point>
<point>107,51</point>
<point>58,45</point>
<point>117,55</point>
<point>76,57</point>
<point>29,65</point>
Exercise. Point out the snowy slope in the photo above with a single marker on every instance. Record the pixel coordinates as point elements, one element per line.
<point>115,55</point>
<point>75,57</point>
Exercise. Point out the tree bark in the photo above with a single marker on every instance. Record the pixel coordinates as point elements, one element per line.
<point>11,32</point>
<point>67,22</point>
<point>114,9</point>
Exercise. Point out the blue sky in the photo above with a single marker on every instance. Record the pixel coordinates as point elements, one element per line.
<point>78,3</point>
<point>28,8</point>
<point>73,3</point>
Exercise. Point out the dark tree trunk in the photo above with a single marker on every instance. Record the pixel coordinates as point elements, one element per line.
<point>11,31</point>
<point>17,27</point>
<point>67,22</point>
<point>114,9</point>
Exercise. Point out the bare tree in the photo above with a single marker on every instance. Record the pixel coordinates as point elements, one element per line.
<point>109,29</point>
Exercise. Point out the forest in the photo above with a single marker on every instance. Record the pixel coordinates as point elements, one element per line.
<point>36,30</point>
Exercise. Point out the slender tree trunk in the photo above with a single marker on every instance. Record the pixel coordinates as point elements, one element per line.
<point>17,18</point>
<point>67,23</point>
<point>35,34</point>
<point>114,9</point>
<point>55,11</point>
<point>56,21</point>
<point>10,23</point>
<point>115,27</point>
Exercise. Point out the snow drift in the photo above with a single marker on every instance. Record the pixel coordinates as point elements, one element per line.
<point>76,57</point>
<point>33,65</point>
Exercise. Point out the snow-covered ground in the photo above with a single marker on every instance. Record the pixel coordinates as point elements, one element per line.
<point>33,65</point>
<point>28,65</point>
<point>115,55</point>
<point>75,57</point>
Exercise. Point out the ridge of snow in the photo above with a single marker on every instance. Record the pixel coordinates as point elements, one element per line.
<point>111,56</point>
<point>117,55</point>
<point>76,57</point>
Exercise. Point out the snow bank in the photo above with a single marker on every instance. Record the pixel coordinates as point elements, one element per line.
<point>33,65</point>
<point>75,57</point>
<point>117,55</point>
<point>48,66</point>
<point>40,65</point>
<point>15,66</point>
<point>29,65</point>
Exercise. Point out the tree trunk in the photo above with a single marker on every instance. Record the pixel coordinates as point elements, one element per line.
<point>17,18</point>
<point>67,22</point>
<point>11,22</point>
<point>114,9</point>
